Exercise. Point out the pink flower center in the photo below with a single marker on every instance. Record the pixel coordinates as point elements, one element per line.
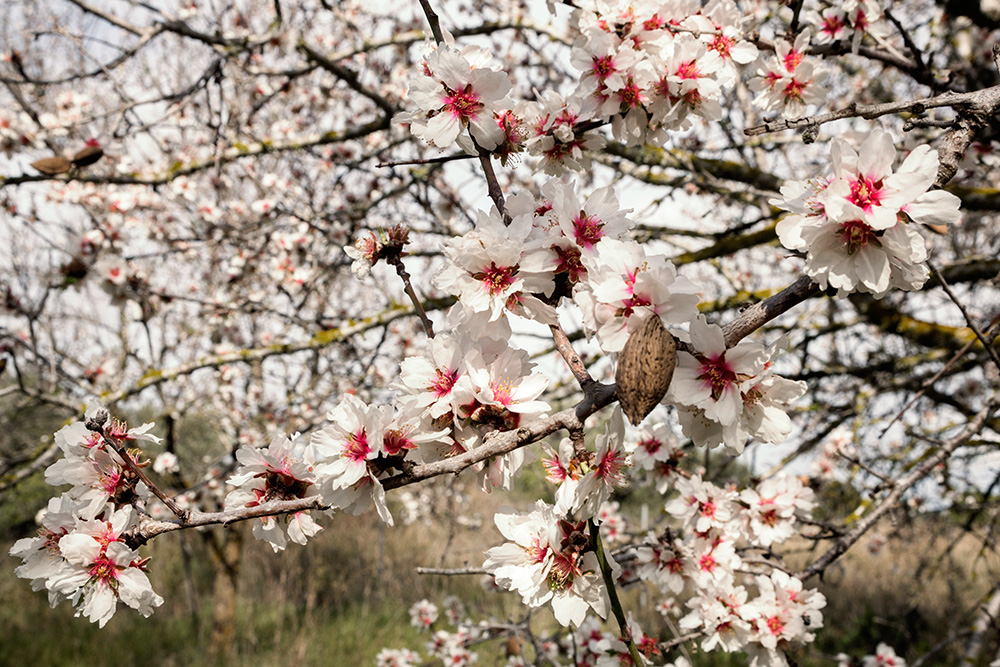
<point>565,117</point>
<point>443,382</point>
<point>855,234</point>
<point>570,263</point>
<point>688,70</point>
<point>118,430</point>
<point>564,569</point>
<point>554,470</point>
<point>537,551</point>
<point>707,563</point>
<point>769,518</point>
<point>497,278</point>
<point>866,192</point>
<point>708,509</point>
<point>603,67</point>
<point>793,89</point>
<point>396,440</point>
<point>109,479</point>
<point>651,445</point>
<point>611,468</point>
<point>356,448</point>
<point>630,95</point>
<point>502,391</point>
<point>653,23</point>
<point>635,301</point>
<point>51,539</point>
<point>792,60</point>
<point>724,45</point>
<point>716,374</point>
<point>587,230</point>
<point>775,625</point>
<point>832,25</point>
<point>464,105</point>
<point>104,569</point>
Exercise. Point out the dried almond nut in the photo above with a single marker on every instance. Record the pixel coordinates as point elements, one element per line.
<point>645,368</point>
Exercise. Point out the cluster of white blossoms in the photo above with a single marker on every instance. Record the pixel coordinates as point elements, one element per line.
<point>647,68</point>
<point>281,471</point>
<point>17,132</point>
<point>724,396</point>
<point>855,224</point>
<point>789,80</point>
<point>81,552</point>
<point>851,19</point>
<point>549,559</point>
<point>703,560</point>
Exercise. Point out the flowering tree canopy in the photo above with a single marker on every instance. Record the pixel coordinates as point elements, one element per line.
<point>381,244</point>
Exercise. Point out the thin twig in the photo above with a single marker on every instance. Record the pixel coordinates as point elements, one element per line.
<point>430,160</point>
<point>412,294</point>
<point>965,313</point>
<point>609,583</point>
<point>432,20</point>
<point>903,484</point>
<point>988,98</point>
<point>937,376</point>
<point>134,468</point>
<point>451,571</point>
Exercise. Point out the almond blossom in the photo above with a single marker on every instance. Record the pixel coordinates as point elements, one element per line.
<point>687,84</point>
<point>391,657</point>
<point>498,391</point>
<point>103,569</point>
<point>607,472</point>
<point>715,378</point>
<point>423,614</point>
<point>453,95</point>
<point>282,471</point>
<point>853,224</point>
<point>885,656</point>
<point>701,505</point>
<point>559,133</point>
<point>495,267</point>
<point>343,451</point>
<point>853,16</point>
<point>43,560</point>
<point>624,286</point>
<point>429,380</point>
<point>718,613</point>
<point>663,564</point>
<point>583,224</point>
<point>789,80</point>
<point>772,506</point>
<point>97,472</point>
<point>783,615</point>
<point>547,560</point>
<point>720,24</point>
